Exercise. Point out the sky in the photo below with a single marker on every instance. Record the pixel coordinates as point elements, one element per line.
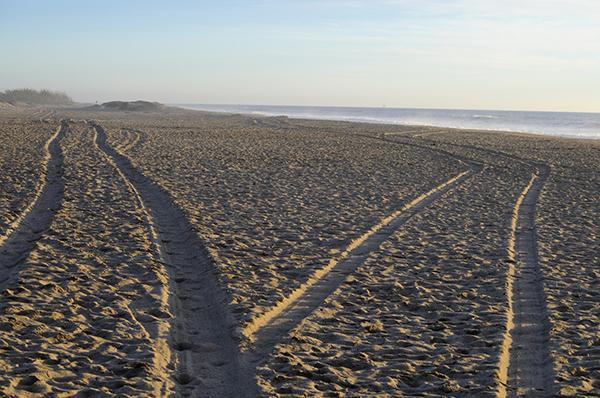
<point>464,54</point>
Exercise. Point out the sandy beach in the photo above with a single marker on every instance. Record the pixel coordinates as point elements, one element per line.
<point>185,253</point>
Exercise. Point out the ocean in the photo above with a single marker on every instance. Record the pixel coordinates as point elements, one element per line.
<point>565,124</point>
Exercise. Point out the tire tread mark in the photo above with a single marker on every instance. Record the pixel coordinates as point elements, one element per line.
<point>22,233</point>
<point>205,353</point>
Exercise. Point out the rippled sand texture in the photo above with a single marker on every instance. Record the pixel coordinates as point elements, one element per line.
<point>275,207</point>
<point>21,156</point>
<point>86,314</point>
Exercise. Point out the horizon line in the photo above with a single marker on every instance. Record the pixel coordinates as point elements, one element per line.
<point>382,107</point>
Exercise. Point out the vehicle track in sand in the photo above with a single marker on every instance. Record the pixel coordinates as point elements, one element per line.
<point>270,328</point>
<point>134,138</point>
<point>402,133</point>
<point>426,133</point>
<point>206,358</point>
<point>124,141</point>
<point>161,338</point>
<point>525,366</point>
<point>21,235</point>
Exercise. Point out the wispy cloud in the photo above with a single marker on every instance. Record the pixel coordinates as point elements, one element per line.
<point>512,34</point>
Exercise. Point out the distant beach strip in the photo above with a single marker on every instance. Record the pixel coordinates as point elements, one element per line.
<point>562,124</point>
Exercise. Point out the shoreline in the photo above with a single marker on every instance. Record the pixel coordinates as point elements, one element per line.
<point>374,121</point>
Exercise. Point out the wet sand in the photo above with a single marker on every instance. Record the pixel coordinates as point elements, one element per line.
<point>191,252</point>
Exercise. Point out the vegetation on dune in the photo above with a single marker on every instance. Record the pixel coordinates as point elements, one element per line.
<point>35,97</point>
<point>131,106</point>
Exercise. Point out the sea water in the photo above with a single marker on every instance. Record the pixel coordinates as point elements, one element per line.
<point>566,124</point>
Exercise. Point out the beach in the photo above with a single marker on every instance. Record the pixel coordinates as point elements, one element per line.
<point>188,253</point>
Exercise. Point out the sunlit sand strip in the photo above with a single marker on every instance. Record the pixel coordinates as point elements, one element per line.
<point>261,324</point>
<point>21,235</point>
<point>512,256</point>
<point>525,368</point>
<point>204,357</point>
<point>424,134</point>
<point>51,153</point>
<point>162,352</point>
<point>414,133</point>
<point>392,133</point>
<point>129,143</point>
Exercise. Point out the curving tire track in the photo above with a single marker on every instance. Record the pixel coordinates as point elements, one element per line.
<point>21,235</point>
<point>471,163</point>
<point>526,368</point>
<point>161,337</point>
<point>124,141</point>
<point>424,134</point>
<point>270,327</point>
<point>131,142</point>
<point>205,354</point>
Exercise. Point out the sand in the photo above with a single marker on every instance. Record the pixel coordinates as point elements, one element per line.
<point>269,231</point>
<point>568,248</point>
<point>86,311</point>
<point>22,154</point>
<point>193,254</point>
<point>437,292</point>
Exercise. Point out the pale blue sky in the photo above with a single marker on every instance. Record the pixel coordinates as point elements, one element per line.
<point>510,54</point>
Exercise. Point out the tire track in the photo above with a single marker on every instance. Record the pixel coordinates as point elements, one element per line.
<point>160,338</point>
<point>401,133</point>
<point>526,368</point>
<point>487,150</point>
<point>303,301</point>
<point>265,331</point>
<point>525,365</point>
<point>429,133</point>
<point>131,142</point>
<point>21,235</point>
<point>123,141</point>
<point>471,163</point>
<point>206,358</point>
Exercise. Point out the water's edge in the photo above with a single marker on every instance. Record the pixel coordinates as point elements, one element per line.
<point>557,124</point>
